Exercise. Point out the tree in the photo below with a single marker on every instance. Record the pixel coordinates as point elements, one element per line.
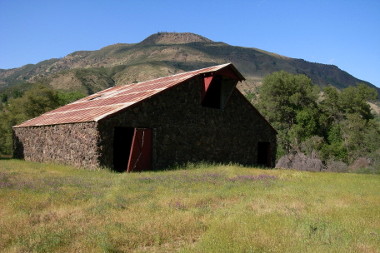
<point>354,100</point>
<point>289,101</point>
<point>349,122</point>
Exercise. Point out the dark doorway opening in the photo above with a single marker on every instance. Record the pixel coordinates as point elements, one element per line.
<point>264,157</point>
<point>216,91</point>
<point>122,141</point>
<point>213,94</point>
<point>132,149</point>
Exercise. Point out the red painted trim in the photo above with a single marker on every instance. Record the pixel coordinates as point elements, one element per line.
<point>206,84</point>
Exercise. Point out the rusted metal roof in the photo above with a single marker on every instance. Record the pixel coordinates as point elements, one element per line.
<point>109,101</point>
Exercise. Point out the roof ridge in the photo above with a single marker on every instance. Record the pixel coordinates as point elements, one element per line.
<point>181,73</point>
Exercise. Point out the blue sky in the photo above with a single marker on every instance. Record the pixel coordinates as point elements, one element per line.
<point>342,33</point>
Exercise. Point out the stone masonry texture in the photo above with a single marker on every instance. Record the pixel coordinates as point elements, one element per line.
<point>72,144</point>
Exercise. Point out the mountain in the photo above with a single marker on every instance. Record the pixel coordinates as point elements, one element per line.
<point>163,54</point>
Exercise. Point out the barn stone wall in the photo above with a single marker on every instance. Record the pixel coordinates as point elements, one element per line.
<point>183,130</point>
<point>71,144</point>
<point>186,131</point>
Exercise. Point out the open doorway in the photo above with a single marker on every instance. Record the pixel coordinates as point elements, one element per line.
<point>122,142</point>
<point>264,156</point>
<point>132,149</point>
<point>216,91</point>
<point>213,93</point>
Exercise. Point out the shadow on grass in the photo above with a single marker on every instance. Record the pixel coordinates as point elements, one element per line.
<point>6,157</point>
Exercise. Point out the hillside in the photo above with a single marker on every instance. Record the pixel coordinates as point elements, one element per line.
<point>164,54</point>
<point>201,208</point>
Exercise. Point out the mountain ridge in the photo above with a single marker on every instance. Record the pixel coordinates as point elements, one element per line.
<point>173,38</point>
<point>163,54</point>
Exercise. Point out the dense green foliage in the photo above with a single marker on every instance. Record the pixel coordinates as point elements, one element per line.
<point>333,124</point>
<point>198,208</point>
<point>20,105</point>
<point>286,100</point>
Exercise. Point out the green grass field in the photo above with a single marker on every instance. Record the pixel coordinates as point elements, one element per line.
<point>200,208</point>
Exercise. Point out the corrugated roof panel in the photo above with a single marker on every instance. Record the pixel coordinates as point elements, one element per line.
<point>114,99</point>
<point>82,115</point>
<point>119,99</point>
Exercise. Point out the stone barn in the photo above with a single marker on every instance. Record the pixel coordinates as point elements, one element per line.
<point>188,117</point>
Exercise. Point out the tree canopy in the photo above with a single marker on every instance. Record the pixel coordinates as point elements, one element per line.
<point>336,124</point>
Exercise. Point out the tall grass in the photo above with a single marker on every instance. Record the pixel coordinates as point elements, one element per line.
<point>200,208</point>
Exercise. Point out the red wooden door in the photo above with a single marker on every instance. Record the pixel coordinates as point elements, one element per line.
<point>140,157</point>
